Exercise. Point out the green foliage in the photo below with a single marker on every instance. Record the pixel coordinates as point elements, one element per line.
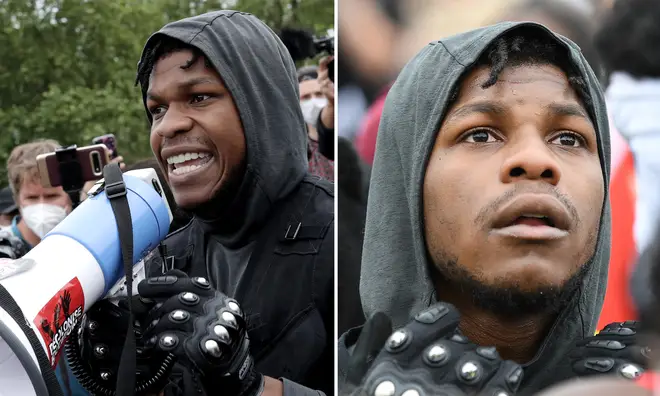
<point>67,69</point>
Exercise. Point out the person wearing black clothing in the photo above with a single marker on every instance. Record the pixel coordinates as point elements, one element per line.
<point>221,95</point>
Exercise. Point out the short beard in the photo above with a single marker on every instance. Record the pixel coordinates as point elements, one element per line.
<point>223,200</point>
<point>510,301</point>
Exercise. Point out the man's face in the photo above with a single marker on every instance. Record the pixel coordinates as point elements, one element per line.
<point>310,89</point>
<point>196,135</point>
<point>31,192</point>
<point>521,149</point>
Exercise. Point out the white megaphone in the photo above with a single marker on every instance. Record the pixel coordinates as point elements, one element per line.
<point>76,264</point>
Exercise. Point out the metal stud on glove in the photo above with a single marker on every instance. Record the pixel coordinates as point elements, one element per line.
<point>204,329</point>
<point>429,357</point>
<point>615,349</point>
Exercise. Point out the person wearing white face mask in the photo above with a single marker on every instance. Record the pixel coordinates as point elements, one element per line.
<point>40,208</point>
<point>317,105</point>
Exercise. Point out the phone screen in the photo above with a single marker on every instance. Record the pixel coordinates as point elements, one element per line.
<point>110,142</point>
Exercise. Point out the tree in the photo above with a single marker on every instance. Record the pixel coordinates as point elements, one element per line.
<point>68,69</point>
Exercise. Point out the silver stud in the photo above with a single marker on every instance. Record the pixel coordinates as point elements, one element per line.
<point>630,371</point>
<point>168,341</point>
<point>437,353</point>
<point>105,375</point>
<point>469,371</point>
<point>222,333</point>
<point>234,307</point>
<point>213,348</point>
<point>410,392</point>
<point>229,318</point>
<point>385,388</point>
<point>501,393</point>
<point>397,339</point>
<point>179,315</point>
<point>202,281</point>
<point>92,326</point>
<point>189,297</point>
<point>99,350</point>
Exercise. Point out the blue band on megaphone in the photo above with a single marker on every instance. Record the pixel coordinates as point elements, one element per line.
<point>93,225</point>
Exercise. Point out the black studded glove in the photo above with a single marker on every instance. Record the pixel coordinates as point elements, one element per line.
<point>94,351</point>
<point>204,329</point>
<point>429,357</point>
<point>615,349</point>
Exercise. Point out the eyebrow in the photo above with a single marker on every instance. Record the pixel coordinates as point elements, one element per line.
<point>483,107</point>
<point>185,86</point>
<point>567,110</point>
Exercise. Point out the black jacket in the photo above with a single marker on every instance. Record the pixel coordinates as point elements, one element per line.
<point>286,289</point>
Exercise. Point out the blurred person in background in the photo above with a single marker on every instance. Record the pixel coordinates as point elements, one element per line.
<point>41,208</point>
<point>628,44</point>
<point>8,208</point>
<point>312,103</point>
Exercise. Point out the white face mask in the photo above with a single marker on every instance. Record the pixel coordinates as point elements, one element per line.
<point>311,108</point>
<point>41,218</point>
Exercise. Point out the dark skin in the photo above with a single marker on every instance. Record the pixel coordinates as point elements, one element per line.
<point>193,111</point>
<point>528,132</point>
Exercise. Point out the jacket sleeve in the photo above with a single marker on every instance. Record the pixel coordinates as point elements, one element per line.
<point>326,140</point>
<point>291,388</point>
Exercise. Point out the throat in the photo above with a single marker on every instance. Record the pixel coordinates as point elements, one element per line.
<point>516,337</point>
<point>518,340</point>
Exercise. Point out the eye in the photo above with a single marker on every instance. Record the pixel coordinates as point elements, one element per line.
<point>199,98</point>
<point>157,110</point>
<point>569,139</point>
<point>479,135</point>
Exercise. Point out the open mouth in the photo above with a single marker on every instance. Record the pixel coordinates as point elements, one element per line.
<point>185,163</point>
<point>534,220</point>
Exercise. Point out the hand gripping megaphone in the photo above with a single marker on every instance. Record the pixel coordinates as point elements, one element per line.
<point>47,291</point>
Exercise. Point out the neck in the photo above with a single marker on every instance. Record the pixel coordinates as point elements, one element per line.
<point>516,339</point>
<point>27,234</point>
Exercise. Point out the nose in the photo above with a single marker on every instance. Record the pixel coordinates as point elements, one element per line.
<point>530,159</point>
<point>172,123</point>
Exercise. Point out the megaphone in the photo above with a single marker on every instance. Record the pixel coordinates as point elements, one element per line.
<point>76,264</point>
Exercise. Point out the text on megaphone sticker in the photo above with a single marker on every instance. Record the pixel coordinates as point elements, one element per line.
<point>57,319</point>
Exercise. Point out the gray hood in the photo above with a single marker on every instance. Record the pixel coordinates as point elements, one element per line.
<point>261,77</point>
<point>395,277</point>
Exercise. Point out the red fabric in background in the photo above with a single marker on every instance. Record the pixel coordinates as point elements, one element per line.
<point>618,306</point>
<point>365,141</point>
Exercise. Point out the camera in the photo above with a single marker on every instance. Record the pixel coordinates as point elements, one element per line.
<point>304,45</point>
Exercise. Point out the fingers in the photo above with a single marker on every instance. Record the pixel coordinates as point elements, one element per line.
<point>438,321</point>
<point>173,283</point>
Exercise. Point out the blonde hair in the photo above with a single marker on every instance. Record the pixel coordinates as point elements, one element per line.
<point>22,162</point>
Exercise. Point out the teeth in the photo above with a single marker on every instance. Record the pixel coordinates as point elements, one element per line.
<point>536,216</point>
<point>177,159</point>
<point>185,169</point>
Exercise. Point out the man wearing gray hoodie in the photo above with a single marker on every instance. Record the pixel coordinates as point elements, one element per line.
<point>242,296</point>
<point>488,193</point>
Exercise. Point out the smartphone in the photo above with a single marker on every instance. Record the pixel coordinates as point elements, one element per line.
<point>92,159</point>
<point>110,142</point>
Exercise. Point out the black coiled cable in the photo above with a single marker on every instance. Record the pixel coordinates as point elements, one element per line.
<point>84,376</point>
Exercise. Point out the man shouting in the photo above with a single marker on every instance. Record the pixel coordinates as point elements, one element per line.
<point>246,300</point>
